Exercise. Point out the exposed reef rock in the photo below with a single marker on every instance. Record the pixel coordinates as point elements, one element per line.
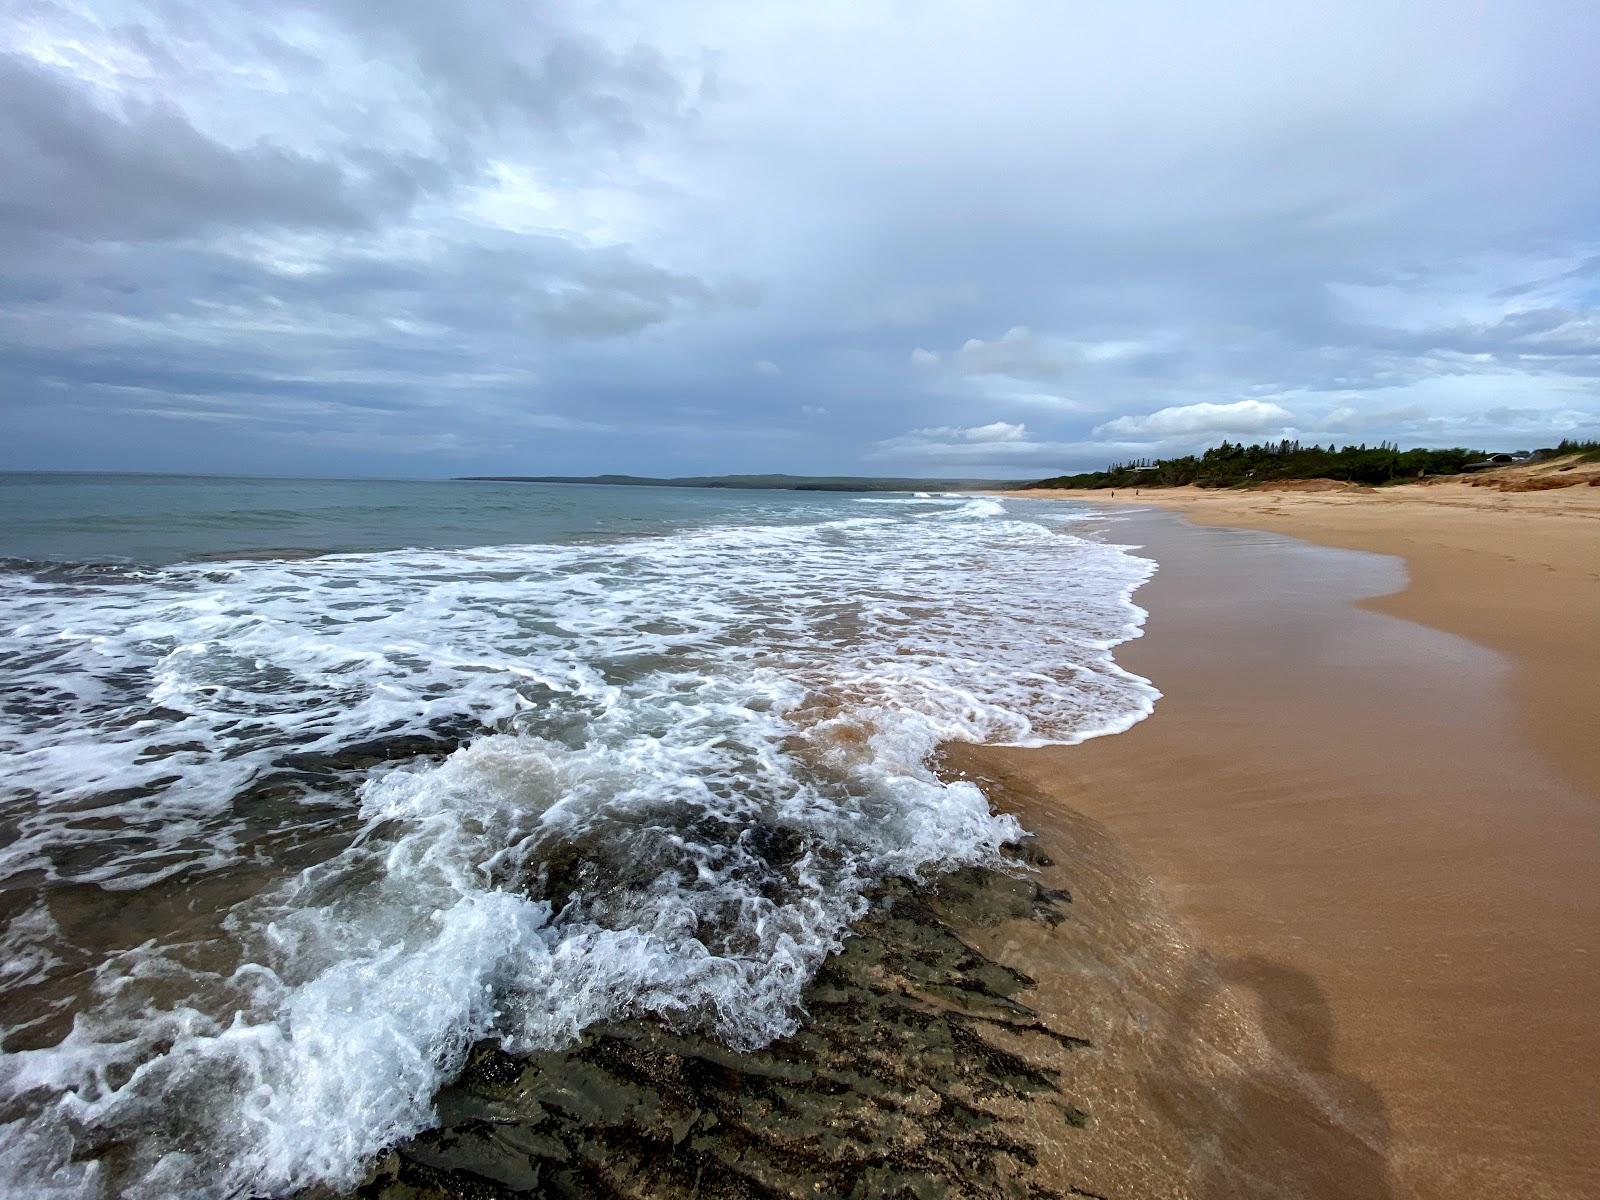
<point>917,1072</point>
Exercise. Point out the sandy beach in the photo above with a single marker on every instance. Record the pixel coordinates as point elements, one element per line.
<point>1370,805</point>
<point>1516,571</point>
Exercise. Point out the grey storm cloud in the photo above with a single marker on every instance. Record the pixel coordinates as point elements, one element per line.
<point>487,236</point>
<point>493,63</point>
<point>74,168</point>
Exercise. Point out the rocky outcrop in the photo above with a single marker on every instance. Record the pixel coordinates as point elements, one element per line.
<point>907,1078</point>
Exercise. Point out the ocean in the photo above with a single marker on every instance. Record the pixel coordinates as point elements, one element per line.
<point>309,786</point>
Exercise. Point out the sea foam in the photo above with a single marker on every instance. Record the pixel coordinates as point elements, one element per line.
<point>657,776</point>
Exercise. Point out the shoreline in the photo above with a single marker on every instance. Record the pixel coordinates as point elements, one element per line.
<point>1529,591</point>
<point>1385,837</point>
<point>1157,1032</point>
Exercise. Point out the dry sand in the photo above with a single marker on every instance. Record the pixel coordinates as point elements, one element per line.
<point>1378,842</point>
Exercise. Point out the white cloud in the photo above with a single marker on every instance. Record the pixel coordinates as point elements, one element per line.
<point>1016,353</point>
<point>1112,350</point>
<point>1016,458</point>
<point>813,410</point>
<point>924,359</point>
<point>1242,416</point>
<point>995,431</point>
<point>1034,399</point>
<point>765,366</point>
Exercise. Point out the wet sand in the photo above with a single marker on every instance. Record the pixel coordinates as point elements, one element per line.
<point>1382,969</point>
<point>1518,572</point>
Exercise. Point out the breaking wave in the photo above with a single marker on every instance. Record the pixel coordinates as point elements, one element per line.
<point>290,836</point>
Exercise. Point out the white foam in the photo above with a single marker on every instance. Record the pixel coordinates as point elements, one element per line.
<point>661,712</point>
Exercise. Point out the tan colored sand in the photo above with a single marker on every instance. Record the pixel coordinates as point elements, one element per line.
<point>1518,572</point>
<point>1383,840</point>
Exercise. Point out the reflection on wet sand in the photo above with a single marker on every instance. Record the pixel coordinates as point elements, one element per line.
<point>1204,1078</point>
<point>1334,1145</point>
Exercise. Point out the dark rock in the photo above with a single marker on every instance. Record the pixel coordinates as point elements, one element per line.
<point>896,1085</point>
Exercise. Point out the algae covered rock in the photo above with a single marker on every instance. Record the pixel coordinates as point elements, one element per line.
<point>916,1072</point>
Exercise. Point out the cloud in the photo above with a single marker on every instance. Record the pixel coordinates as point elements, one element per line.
<point>998,446</point>
<point>1034,459</point>
<point>1048,400</point>
<point>1242,416</point>
<point>76,168</point>
<point>1016,353</point>
<point>498,66</point>
<point>765,366</point>
<point>318,223</point>
<point>1025,369</point>
<point>995,431</point>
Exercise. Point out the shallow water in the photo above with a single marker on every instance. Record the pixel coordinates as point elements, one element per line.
<point>285,836</point>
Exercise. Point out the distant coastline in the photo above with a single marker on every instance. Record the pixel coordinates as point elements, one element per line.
<point>771,483</point>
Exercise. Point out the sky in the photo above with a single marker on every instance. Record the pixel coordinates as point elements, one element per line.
<point>869,237</point>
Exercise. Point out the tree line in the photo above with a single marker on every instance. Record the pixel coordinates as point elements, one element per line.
<point>1235,464</point>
